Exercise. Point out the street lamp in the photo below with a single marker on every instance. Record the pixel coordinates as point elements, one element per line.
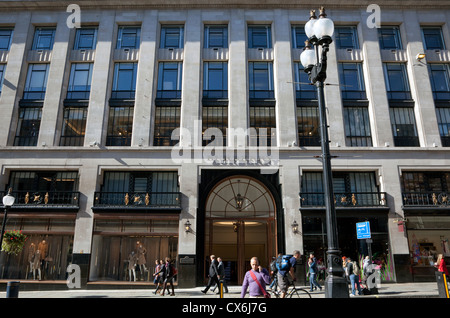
<point>314,61</point>
<point>8,201</point>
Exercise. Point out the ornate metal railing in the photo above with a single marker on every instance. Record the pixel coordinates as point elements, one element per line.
<point>138,199</point>
<point>356,199</point>
<point>43,199</point>
<point>426,199</point>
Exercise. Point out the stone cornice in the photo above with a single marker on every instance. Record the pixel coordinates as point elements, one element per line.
<point>14,5</point>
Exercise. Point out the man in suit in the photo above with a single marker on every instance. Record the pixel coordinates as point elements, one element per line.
<point>213,274</point>
<point>221,271</point>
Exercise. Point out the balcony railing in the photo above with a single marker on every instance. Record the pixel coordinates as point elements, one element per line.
<point>357,200</point>
<point>45,199</point>
<point>158,200</point>
<point>426,199</point>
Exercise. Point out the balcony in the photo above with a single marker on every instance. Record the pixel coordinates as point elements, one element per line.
<point>426,199</point>
<point>345,200</point>
<point>138,201</point>
<point>45,199</point>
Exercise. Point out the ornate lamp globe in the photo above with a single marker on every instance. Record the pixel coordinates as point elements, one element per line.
<point>323,27</point>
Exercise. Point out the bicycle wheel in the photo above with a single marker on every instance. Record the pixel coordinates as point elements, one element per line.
<point>299,293</point>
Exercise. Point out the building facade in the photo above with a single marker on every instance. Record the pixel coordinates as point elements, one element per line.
<point>151,130</point>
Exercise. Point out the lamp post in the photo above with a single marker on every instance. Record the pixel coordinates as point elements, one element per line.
<point>319,32</point>
<point>8,201</point>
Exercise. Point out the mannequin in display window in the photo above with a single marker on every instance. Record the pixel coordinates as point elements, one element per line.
<point>132,265</point>
<point>43,252</point>
<point>141,261</point>
<point>34,261</point>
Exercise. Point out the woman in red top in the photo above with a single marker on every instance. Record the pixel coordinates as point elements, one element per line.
<point>441,265</point>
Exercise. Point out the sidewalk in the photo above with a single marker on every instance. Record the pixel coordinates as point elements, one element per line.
<point>407,290</point>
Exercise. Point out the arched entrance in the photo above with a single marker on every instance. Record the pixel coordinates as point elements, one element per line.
<point>240,222</point>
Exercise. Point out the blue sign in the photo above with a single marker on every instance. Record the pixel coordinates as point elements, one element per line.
<point>363,230</point>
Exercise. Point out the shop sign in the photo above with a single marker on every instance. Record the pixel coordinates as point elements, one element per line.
<point>363,230</point>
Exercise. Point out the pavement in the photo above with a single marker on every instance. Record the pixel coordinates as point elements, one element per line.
<point>387,290</point>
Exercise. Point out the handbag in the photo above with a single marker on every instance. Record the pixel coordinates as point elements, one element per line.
<point>266,295</point>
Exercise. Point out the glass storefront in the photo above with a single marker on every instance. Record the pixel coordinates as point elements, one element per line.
<point>124,250</point>
<point>47,251</point>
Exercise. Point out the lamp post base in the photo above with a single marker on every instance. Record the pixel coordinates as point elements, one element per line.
<point>336,287</point>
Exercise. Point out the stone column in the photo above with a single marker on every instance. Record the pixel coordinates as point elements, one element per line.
<point>145,81</point>
<point>55,82</point>
<point>98,104</point>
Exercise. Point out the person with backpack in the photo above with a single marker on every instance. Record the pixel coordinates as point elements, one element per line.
<point>353,272</point>
<point>286,271</point>
<point>313,271</point>
<point>274,271</point>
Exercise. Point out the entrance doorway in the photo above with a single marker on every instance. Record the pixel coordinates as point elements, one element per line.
<point>240,223</point>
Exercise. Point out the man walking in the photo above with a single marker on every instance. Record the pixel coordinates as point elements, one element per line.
<point>213,274</point>
<point>287,274</point>
<point>221,271</point>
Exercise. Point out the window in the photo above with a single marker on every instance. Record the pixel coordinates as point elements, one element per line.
<point>80,81</point>
<point>2,72</point>
<point>432,38</point>
<point>169,80</point>
<point>404,127</point>
<point>74,125</point>
<point>43,39</point>
<point>124,84</point>
<point>303,88</point>
<point>443,118</point>
<point>172,37</point>
<point>44,181</point>
<point>308,126</point>
<point>440,81</point>
<point>27,132</point>
<point>85,39</point>
<point>357,127</point>
<point>214,117</point>
<point>259,36</point>
<point>216,36</point>
<point>215,80</point>
<point>36,82</point>
<point>5,39</point>
<point>128,37</point>
<point>396,81</point>
<point>298,36</point>
<point>346,38</point>
<point>261,80</point>
<point>167,119</point>
<point>425,181</point>
<point>352,81</point>
<point>262,118</point>
<point>389,38</point>
<point>120,126</point>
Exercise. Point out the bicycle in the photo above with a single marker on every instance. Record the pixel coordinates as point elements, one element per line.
<point>292,292</point>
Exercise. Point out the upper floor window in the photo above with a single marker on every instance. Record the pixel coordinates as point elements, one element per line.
<point>36,82</point>
<point>85,39</point>
<point>128,37</point>
<point>44,181</point>
<point>124,85</point>
<point>5,39</point>
<point>216,36</point>
<point>352,81</point>
<point>172,36</point>
<point>440,81</point>
<point>80,81</point>
<point>259,36</point>
<point>432,38</point>
<point>396,81</point>
<point>215,80</point>
<point>298,36</point>
<point>303,89</point>
<point>2,71</point>
<point>169,80</point>
<point>389,38</point>
<point>43,38</point>
<point>261,80</point>
<point>346,37</point>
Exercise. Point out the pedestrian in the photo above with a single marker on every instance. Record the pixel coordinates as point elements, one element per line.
<point>367,269</point>
<point>313,270</point>
<point>273,272</point>
<point>158,275</point>
<point>353,270</point>
<point>221,271</point>
<point>167,271</point>
<point>286,276</point>
<point>213,274</point>
<point>255,280</point>
<point>440,264</point>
